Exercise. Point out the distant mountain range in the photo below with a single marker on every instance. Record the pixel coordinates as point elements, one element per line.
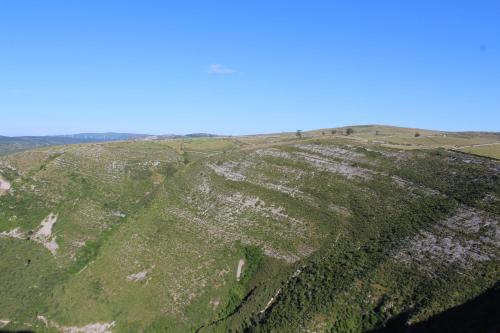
<point>11,144</point>
<point>109,136</point>
<point>191,135</point>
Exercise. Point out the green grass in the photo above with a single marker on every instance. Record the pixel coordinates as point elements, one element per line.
<point>491,150</point>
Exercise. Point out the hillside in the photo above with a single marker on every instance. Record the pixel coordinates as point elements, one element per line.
<point>375,231</point>
<point>10,145</point>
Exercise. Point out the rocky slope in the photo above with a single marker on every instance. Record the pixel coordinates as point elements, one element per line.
<point>324,233</point>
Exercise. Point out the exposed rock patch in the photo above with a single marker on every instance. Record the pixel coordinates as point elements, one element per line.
<point>403,183</point>
<point>204,187</point>
<point>241,263</point>
<point>318,157</point>
<point>138,276</point>
<point>271,300</point>
<point>332,151</point>
<point>118,213</point>
<point>14,233</point>
<point>89,328</point>
<point>214,303</point>
<point>228,170</point>
<point>273,152</point>
<point>4,186</point>
<point>44,233</point>
<point>468,236</point>
<point>229,233</point>
<point>339,209</point>
<point>341,168</point>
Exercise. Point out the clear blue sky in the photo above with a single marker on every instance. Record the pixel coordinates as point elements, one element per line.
<point>240,67</point>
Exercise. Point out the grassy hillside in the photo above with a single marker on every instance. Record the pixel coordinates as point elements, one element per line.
<point>322,232</point>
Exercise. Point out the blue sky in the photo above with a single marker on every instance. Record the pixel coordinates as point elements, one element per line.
<point>239,67</point>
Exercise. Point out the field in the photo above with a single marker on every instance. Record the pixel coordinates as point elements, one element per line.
<point>317,232</point>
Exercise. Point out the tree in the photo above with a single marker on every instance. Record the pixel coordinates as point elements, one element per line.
<point>349,131</point>
<point>377,133</point>
<point>298,134</point>
<point>417,134</point>
<point>323,133</point>
<point>334,132</point>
